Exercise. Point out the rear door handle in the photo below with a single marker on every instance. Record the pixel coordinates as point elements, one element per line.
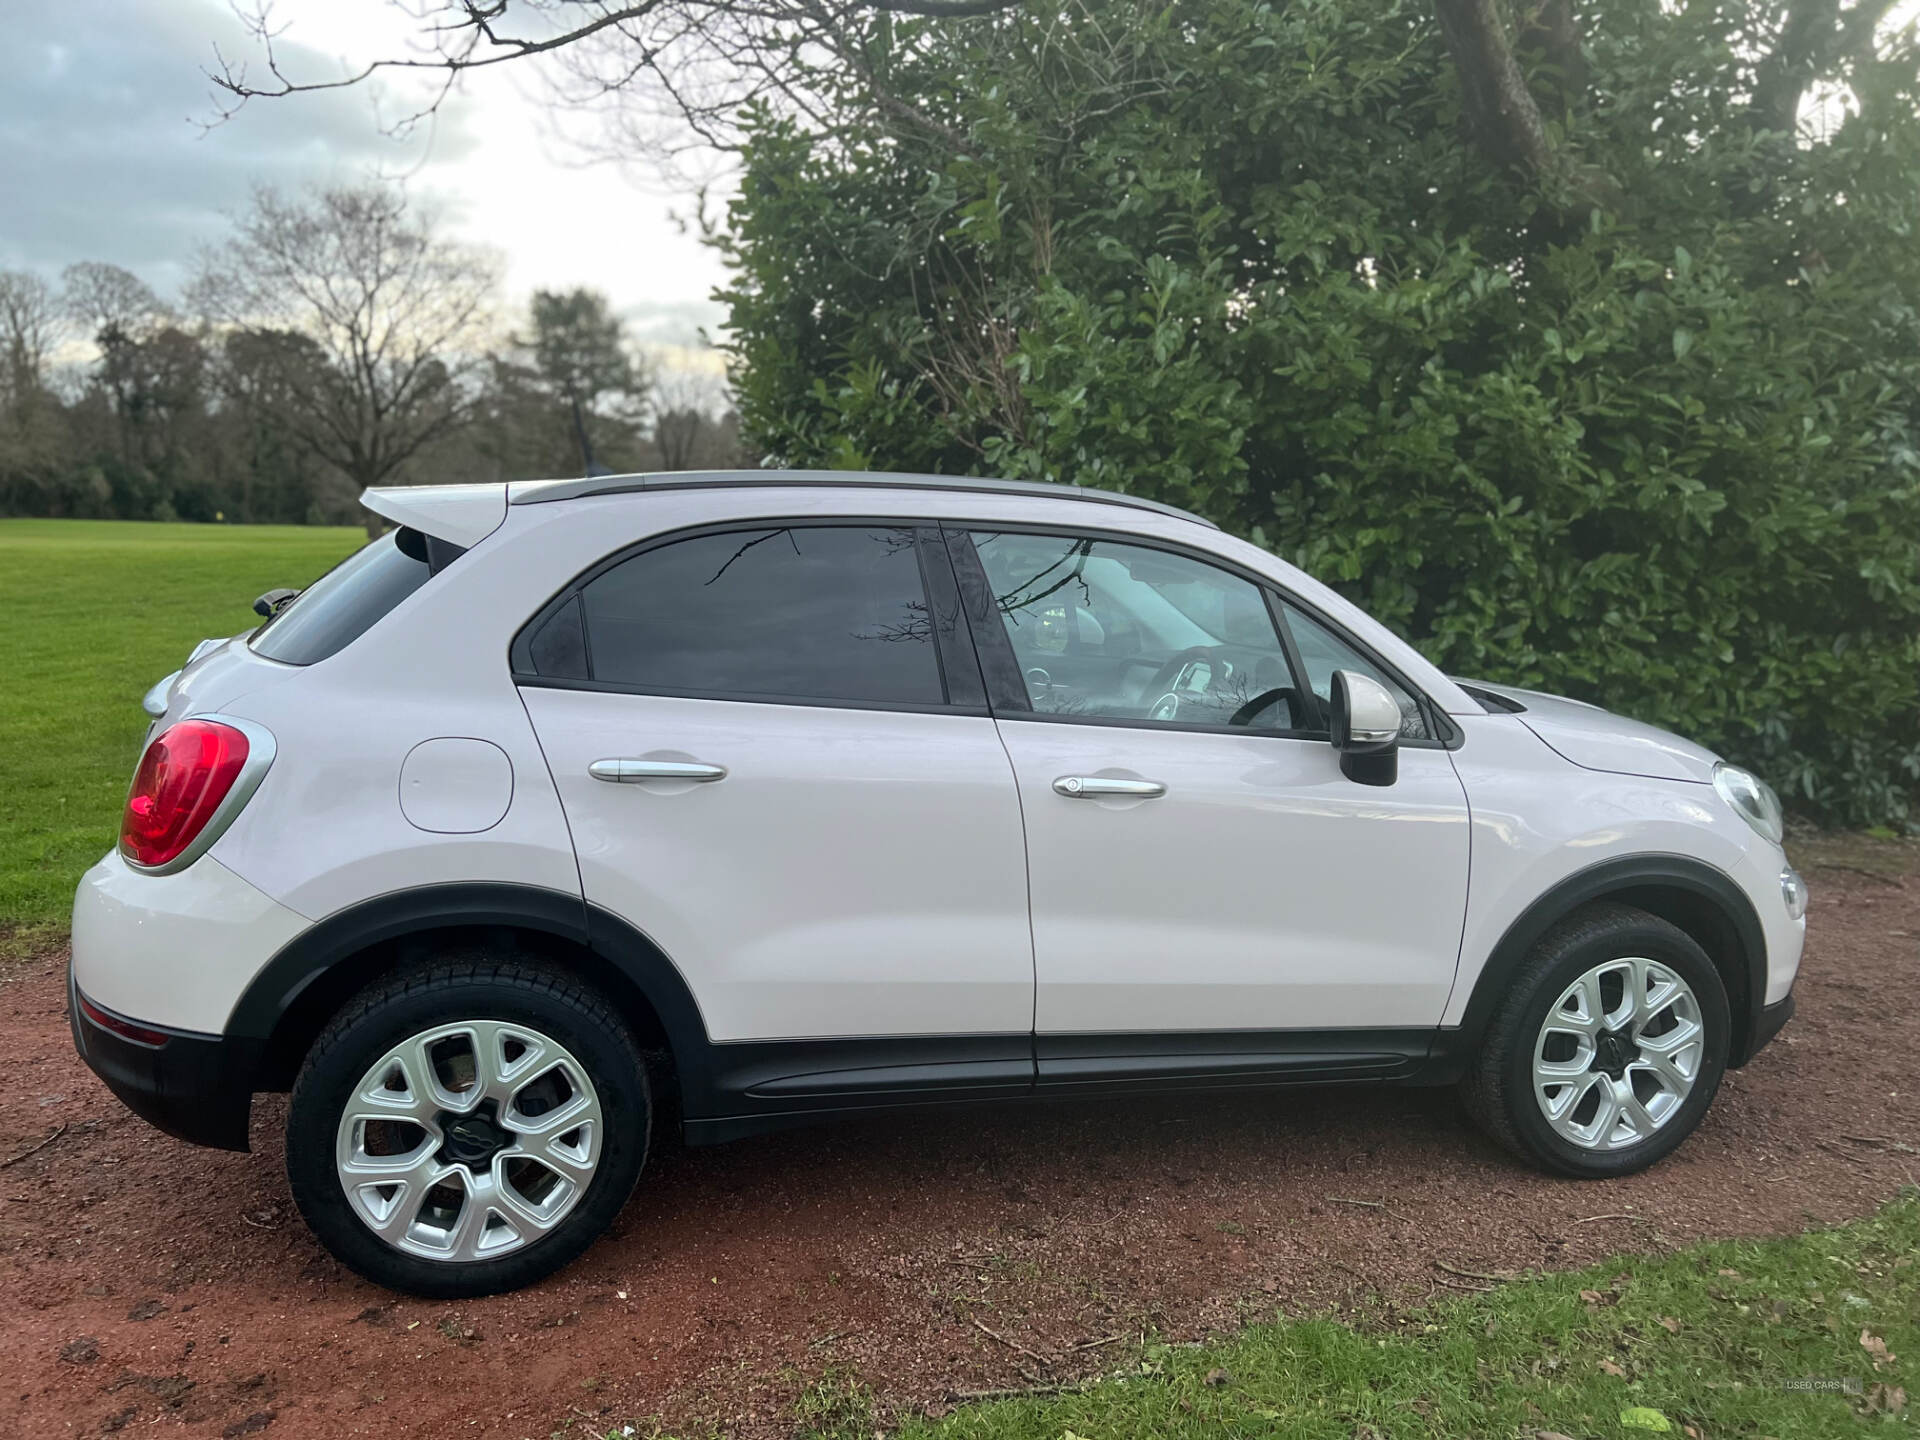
<point>632,772</point>
<point>1094,787</point>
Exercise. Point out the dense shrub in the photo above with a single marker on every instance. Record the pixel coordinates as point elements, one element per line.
<point>1647,434</point>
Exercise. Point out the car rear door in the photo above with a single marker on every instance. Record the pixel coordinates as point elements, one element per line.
<point>775,756</point>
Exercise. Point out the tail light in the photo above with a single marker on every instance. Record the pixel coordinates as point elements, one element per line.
<point>193,774</point>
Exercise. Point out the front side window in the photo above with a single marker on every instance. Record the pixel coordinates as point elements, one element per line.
<point>1322,652</point>
<point>1105,629</point>
<point>819,613</point>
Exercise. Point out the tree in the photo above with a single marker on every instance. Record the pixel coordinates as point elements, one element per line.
<point>32,437</point>
<point>693,426</point>
<point>579,356</point>
<point>686,71</point>
<point>29,329</point>
<point>1667,459</point>
<point>397,313</point>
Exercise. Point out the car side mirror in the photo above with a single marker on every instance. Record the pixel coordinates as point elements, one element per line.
<point>1366,728</point>
<point>273,601</point>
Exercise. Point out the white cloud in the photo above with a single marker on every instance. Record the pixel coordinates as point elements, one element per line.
<point>102,156</point>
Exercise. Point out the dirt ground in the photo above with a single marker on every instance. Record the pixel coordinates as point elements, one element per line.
<point>145,1283</point>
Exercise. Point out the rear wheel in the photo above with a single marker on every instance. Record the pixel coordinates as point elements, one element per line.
<point>1608,1049</point>
<point>467,1127</point>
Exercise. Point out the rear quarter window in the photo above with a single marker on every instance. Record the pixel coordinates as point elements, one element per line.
<point>343,604</point>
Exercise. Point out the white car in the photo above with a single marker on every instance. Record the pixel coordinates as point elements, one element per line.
<point>571,809</point>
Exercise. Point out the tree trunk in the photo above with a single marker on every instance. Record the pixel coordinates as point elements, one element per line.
<point>1501,114</point>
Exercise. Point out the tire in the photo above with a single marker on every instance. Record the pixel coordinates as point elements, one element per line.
<point>1510,1101</point>
<point>518,1204</point>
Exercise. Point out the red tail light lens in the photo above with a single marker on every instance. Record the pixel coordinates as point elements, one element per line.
<point>185,774</point>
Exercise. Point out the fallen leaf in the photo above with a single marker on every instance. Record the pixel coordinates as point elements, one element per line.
<point>1730,1274</point>
<point>1218,1377</point>
<point>1645,1417</point>
<point>1877,1348</point>
<point>1668,1324</point>
<point>1613,1369</point>
<point>1550,1435</point>
<point>1886,1400</point>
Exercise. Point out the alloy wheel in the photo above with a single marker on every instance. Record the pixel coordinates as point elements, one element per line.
<point>1618,1053</point>
<point>469,1141</point>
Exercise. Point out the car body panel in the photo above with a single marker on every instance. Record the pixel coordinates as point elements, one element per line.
<point>1597,739</point>
<point>856,872</point>
<point>1539,820</point>
<point>173,950</point>
<point>1246,897</point>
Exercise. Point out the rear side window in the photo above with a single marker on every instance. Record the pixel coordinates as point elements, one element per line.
<point>809,613</point>
<point>343,604</point>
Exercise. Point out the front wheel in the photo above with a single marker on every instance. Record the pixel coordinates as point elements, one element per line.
<point>1608,1049</point>
<point>467,1128</point>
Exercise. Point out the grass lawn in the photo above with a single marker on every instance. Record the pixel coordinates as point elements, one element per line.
<point>1714,1341</point>
<point>97,611</point>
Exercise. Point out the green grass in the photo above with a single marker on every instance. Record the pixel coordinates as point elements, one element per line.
<point>1707,1338</point>
<point>96,611</point>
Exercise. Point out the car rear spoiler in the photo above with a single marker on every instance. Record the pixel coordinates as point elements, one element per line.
<point>462,515</point>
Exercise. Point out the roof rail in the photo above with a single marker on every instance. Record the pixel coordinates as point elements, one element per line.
<point>541,492</point>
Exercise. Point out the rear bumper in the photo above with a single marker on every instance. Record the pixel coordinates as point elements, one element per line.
<point>196,1087</point>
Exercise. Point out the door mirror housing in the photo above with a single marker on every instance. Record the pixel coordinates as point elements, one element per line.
<point>1365,722</point>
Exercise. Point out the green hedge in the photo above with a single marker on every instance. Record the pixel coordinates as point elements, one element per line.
<point>1659,449</point>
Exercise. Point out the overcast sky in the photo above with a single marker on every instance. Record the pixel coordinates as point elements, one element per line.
<point>101,157</point>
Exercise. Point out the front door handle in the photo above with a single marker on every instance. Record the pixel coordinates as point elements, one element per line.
<point>632,772</point>
<point>1095,787</point>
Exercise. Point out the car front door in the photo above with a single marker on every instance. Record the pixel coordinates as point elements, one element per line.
<point>770,772</point>
<point>1210,895</point>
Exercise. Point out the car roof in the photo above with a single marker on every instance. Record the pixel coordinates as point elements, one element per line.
<point>542,492</point>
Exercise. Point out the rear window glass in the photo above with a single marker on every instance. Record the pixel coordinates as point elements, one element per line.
<point>825,613</point>
<point>342,604</point>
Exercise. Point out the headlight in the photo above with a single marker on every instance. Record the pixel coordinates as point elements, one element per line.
<point>1753,798</point>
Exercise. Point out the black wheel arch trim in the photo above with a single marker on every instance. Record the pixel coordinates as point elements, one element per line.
<point>1618,879</point>
<point>315,952</point>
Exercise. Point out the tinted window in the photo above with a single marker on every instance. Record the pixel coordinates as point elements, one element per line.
<point>800,612</point>
<point>558,649</point>
<point>1322,652</point>
<point>343,604</point>
<point>1122,631</point>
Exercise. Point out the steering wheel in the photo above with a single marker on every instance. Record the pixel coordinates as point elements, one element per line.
<point>1170,671</point>
<point>1244,715</point>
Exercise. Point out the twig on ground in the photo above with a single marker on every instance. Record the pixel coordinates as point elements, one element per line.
<point>1012,1344</point>
<point>1457,1285</point>
<point>33,1149</point>
<point>1880,1142</point>
<point>1472,1274</point>
<point>1007,1393</point>
<point>1637,1219</point>
<point>1093,1344</point>
<point>1346,1200</point>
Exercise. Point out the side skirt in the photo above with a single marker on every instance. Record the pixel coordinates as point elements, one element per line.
<point>775,1085</point>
